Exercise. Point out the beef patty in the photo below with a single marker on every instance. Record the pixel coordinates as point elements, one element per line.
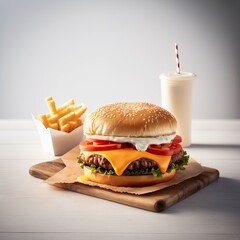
<point>141,163</point>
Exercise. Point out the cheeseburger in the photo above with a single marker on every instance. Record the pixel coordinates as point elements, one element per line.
<point>131,144</point>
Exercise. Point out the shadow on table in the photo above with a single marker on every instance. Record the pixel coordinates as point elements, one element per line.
<point>223,195</point>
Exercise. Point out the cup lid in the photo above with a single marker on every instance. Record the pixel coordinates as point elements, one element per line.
<point>178,76</point>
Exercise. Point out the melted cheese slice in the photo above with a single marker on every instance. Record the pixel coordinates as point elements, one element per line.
<point>121,158</point>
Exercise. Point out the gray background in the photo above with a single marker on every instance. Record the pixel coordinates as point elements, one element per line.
<point>106,51</point>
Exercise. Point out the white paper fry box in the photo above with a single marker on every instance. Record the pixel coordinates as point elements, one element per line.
<point>56,142</point>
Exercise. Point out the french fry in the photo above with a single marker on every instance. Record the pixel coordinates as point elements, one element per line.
<point>52,107</point>
<point>65,118</point>
<point>54,126</point>
<point>48,98</point>
<point>43,119</point>
<point>74,107</point>
<point>80,112</point>
<point>65,128</point>
<point>65,105</point>
<point>53,119</point>
<point>75,124</point>
<point>63,112</point>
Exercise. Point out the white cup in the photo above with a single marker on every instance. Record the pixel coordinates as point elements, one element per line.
<point>176,92</point>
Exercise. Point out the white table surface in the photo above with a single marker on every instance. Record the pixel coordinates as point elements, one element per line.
<point>31,209</point>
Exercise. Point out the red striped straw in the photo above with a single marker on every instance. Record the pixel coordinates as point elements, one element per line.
<point>177,58</point>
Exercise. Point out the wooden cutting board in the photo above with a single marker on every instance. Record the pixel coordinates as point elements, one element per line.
<point>156,201</point>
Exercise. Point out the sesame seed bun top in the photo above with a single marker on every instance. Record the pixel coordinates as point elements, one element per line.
<point>130,119</point>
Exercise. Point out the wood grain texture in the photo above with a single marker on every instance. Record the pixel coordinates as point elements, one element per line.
<point>156,201</point>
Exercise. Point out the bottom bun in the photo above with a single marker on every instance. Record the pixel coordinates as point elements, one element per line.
<point>127,181</point>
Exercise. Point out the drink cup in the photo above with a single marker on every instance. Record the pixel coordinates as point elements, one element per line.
<point>176,93</point>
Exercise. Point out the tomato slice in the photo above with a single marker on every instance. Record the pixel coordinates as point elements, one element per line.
<point>100,145</point>
<point>166,145</point>
<point>159,150</point>
<point>177,139</point>
<point>167,149</point>
<point>176,148</point>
